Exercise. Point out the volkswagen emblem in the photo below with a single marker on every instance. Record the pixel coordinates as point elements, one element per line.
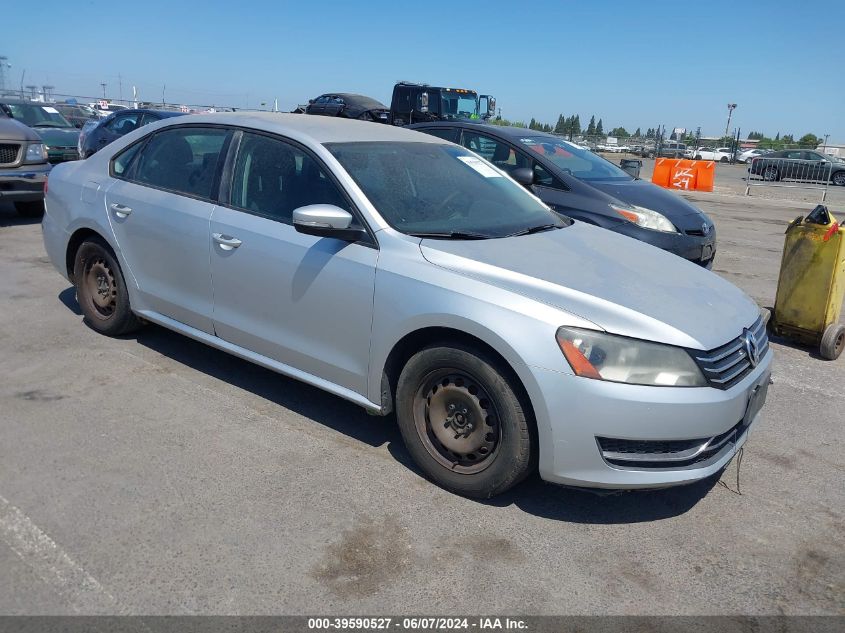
<point>751,349</point>
<point>705,228</point>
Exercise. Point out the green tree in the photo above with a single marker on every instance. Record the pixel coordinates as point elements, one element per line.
<point>619,132</point>
<point>777,136</point>
<point>591,126</point>
<point>576,127</point>
<point>810,141</point>
<point>560,128</point>
<point>638,133</point>
<point>532,125</point>
<point>599,128</point>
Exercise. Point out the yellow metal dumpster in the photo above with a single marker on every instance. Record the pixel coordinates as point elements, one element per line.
<point>811,284</point>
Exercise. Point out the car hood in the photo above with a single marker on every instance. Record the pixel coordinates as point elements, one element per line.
<point>58,136</point>
<point>12,130</point>
<point>681,213</point>
<point>621,284</point>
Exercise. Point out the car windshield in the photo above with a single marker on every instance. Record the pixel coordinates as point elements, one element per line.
<point>458,105</point>
<point>36,115</point>
<point>434,190</point>
<point>581,163</point>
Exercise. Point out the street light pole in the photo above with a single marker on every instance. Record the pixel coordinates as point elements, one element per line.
<point>103,84</point>
<point>731,107</point>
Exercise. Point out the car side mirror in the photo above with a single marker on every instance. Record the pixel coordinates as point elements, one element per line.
<point>326,220</point>
<point>523,175</point>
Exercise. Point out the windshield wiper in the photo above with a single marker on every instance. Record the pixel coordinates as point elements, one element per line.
<point>536,229</point>
<point>454,235</point>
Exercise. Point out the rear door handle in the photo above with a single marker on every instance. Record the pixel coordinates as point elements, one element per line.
<point>226,242</point>
<point>120,210</point>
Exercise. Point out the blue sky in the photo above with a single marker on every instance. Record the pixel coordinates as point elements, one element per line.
<point>633,63</point>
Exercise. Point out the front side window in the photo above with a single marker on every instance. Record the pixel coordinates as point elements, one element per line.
<point>272,178</point>
<point>183,160</point>
<point>581,163</point>
<point>433,188</point>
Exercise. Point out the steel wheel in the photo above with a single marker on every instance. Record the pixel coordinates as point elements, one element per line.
<point>839,179</point>
<point>100,288</point>
<point>770,173</point>
<point>457,421</point>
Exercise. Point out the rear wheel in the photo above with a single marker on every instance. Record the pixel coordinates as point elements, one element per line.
<point>833,341</point>
<point>101,289</point>
<point>31,209</point>
<point>770,173</point>
<point>723,159</point>
<point>839,179</point>
<point>462,421</point>
<point>698,157</point>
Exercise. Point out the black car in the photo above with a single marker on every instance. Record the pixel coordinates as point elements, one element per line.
<point>348,106</point>
<point>801,165</point>
<point>581,185</point>
<point>76,113</point>
<point>97,134</point>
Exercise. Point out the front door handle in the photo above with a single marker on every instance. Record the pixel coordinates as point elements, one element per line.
<point>226,242</point>
<point>120,210</point>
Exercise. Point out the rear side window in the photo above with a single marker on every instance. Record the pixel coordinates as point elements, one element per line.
<point>121,163</point>
<point>183,160</point>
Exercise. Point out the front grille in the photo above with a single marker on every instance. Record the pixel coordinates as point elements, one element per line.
<point>61,154</point>
<point>668,454</point>
<point>9,153</point>
<point>697,232</point>
<point>727,365</point>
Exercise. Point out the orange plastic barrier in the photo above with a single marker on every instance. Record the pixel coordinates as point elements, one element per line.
<point>691,175</point>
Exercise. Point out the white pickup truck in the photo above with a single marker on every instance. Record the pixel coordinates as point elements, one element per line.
<point>720,154</point>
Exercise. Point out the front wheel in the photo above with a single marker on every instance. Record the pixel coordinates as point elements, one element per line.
<point>723,159</point>
<point>462,421</point>
<point>33,209</point>
<point>101,289</point>
<point>698,157</point>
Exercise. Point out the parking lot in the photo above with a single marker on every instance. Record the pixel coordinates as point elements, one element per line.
<point>152,474</point>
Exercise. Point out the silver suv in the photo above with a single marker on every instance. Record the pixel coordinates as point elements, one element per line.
<point>410,276</point>
<point>23,167</point>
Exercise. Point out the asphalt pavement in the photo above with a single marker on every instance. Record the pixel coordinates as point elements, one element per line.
<point>151,474</point>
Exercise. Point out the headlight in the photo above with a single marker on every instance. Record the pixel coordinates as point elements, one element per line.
<point>646,218</point>
<point>36,153</point>
<point>621,359</point>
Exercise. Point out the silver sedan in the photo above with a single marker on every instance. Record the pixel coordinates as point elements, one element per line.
<point>408,275</point>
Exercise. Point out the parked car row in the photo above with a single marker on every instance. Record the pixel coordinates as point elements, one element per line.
<point>411,276</point>
<point>798,165</point>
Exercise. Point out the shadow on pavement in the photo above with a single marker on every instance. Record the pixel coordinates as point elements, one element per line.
<point>10,217</point>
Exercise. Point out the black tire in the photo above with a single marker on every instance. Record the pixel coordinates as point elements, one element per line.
<point>101,289</point>
<point>839,179</point>
<point>455,389</point>
<point>697,157</point>
<point>770,173</point>
<point>723,159</point>
<point>833,341</point>
<point>31,209</point>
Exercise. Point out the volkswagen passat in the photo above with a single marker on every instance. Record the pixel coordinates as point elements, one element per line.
<point>408,275</point>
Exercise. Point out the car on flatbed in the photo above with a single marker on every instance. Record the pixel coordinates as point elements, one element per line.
<point>408,275</point>
<point>23,167</point>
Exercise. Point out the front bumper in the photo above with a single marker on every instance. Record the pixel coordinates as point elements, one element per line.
<point>699,249</point>
<point>576,412</point>
<point>23,184</point>
<point>62,154</point>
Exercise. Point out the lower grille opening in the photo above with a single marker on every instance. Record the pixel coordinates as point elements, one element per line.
<point>668,454</point>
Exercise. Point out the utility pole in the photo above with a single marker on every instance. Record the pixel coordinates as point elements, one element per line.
<point>103,84</point>
<point>824,148</point>
<point>120,87</point>
<point>163,86</point>
<point>4,64</point>
<point>45,90</point>
<point>23,74</point>
<point>731,108</point>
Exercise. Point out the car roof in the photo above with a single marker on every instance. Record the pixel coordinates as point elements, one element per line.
<point>149,111</point>
<point>507,131</point>
<point>319,129</point>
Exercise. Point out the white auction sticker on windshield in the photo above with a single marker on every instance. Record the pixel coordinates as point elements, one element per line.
<point>480,166</point>
<point>49,109</point>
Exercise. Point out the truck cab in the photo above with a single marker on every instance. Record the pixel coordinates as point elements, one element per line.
<point>416,103</point>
